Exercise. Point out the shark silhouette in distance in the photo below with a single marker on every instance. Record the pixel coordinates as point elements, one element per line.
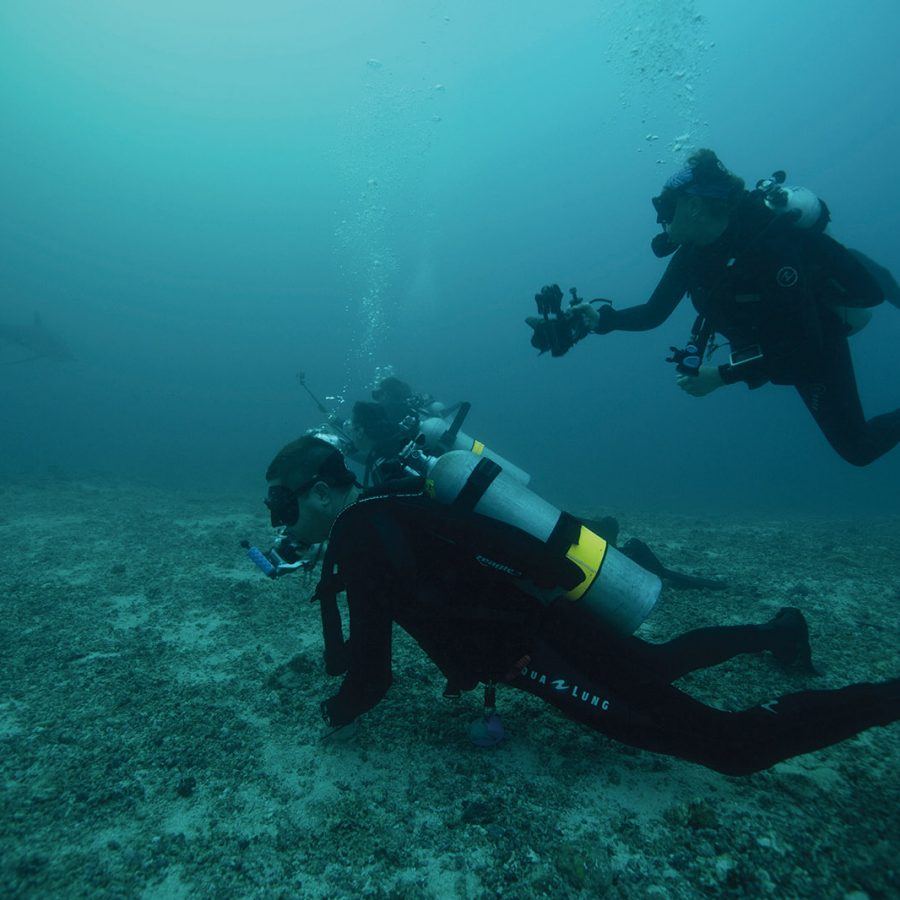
<point>35,340</point>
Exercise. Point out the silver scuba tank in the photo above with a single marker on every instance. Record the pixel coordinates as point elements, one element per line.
<point>615,590</point>
<point>805,208</point>
<point>435,429</point>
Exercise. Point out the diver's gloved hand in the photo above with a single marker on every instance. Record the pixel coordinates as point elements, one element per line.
<point>707,380</point>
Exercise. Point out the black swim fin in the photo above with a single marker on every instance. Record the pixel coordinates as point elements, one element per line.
<point>607,528</point>
<point>640,553</point>
<point>883,276</point>
<point>790,640</point>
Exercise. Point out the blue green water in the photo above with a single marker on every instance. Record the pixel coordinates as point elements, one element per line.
<point>204,199</point>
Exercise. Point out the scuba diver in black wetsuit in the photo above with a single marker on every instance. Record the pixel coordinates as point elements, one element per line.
<point>761,272</point>
<point>495,585</point>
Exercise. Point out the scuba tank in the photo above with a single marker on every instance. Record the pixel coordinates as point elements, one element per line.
<point>434,429</point>
<point>439,438</point>
<point>803,207</point>
<point>614,590</point>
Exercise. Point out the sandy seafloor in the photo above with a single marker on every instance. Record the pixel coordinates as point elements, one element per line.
<point>159,727</point>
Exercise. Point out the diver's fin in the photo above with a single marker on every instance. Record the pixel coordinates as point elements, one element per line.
<point>640,553</point>
<point>790,639</point>
<point>882,275</point>
<point>607,528</point>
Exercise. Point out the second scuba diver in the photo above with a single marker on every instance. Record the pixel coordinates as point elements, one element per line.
<point>761,272</point>
<point>374,437</point>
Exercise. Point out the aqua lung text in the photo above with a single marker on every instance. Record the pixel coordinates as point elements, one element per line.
<point>561,685</point>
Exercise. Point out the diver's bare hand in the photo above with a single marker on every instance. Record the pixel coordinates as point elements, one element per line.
<point>588,317</point>
<point>342,735</point>
<point>704,382</point>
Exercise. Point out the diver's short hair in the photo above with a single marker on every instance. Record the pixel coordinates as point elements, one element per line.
<point>309,458</point>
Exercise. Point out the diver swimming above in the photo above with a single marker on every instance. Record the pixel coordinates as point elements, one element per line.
<point>761,272</point>
<point>497,586</point>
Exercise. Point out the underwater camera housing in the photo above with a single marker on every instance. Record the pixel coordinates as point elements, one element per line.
<point>554,332</point>
<point>556,329</point>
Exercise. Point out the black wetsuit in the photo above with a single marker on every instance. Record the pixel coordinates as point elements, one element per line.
<point>404,558</point>
<point>769,284</point>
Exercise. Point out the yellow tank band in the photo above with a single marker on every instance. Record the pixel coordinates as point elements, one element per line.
<point>429,487</point>
<point>477,447</point>
<point>588,554</point>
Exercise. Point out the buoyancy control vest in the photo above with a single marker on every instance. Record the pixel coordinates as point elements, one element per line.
<point>792,213</point>
<point>769,289</point>
<point>758,290</point>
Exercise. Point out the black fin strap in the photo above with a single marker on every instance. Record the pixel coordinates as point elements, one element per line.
<point>476,484</point>
<point>565,532</point>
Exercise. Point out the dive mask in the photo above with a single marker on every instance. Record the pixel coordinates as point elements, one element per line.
<point>282,502</point>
